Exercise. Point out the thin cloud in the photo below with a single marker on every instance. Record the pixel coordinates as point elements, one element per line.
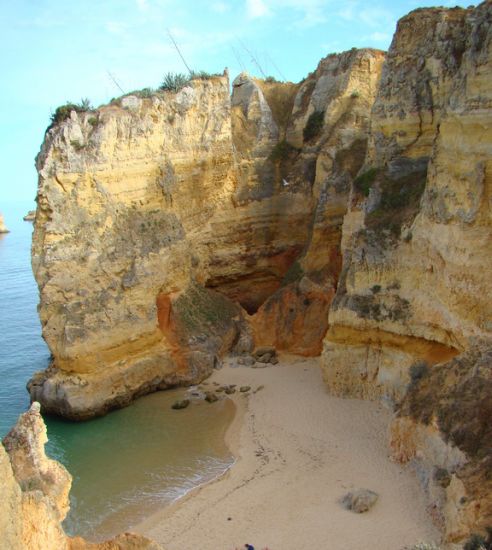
<point>308,13</point>
<point>219,7</point>
<point>376,17</point>
<point>256,9</point>
<point>116,27</point>
<point>142,5</point>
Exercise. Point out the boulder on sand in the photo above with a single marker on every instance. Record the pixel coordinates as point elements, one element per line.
<point>359,501</point>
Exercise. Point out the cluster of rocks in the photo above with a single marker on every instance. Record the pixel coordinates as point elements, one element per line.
<point>260,358</point>
<point>212,395</point>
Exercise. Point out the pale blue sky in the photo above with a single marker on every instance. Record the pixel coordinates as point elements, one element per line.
<point>55,51</point>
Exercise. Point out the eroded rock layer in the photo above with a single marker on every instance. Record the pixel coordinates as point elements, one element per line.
<point>414,291</point>
<point>443,426</point>
<point>416,240</point>
<point>174,228</point>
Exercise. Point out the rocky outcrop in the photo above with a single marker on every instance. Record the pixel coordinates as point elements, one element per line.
<point>443,427</point>
<point>3,227</point>
<point>122,193</point>
<point>416,237</point>
<point>35,495</point>
<point>413,290</point>
<point>174,228</point>
<point>30,216</point>
<point>328,134</point>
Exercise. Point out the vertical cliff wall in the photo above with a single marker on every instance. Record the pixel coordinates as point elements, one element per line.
<point>416,241</point>
<point>174,228</point>
<point>414,291</point>
<point>324,148</point>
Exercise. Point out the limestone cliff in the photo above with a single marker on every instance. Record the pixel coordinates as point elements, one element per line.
<point>3,227</point>
<point>326,139</point>
<point>168,228</point>
<point>35,495</point>
<point>414,290</point>
<point>443,426</point>
<point>416,241</point>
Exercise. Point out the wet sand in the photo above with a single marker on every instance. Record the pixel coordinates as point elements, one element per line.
<point>299,450</point>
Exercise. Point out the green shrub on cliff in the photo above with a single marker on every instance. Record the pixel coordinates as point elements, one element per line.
<point>363,183</point>
<point>63,111</point>
<point>477,542</point>
<point>173,82</point>
<point>313,125</point>
<point>294,273</point>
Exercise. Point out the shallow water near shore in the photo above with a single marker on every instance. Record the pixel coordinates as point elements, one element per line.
<point>131,461</point>
<point>125,464</point>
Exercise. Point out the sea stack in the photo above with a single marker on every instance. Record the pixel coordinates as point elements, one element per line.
<point>3,227</point>
<point>30,216</point>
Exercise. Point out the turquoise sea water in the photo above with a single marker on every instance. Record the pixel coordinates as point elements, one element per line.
<point>125,464</point>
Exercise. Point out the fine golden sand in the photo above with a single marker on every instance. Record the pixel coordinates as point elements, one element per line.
<point>298,451</point>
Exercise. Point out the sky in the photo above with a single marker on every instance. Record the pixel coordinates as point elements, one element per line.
<point>54,51</point>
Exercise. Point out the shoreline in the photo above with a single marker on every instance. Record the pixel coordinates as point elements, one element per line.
<point>290,470</point>
<point>231,440</point>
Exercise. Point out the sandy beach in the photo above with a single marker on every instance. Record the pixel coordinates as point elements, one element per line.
<point>299,450</point>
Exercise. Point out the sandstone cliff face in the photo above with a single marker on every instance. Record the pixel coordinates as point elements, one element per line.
<point>416,241</point>
<point>414,290</point>
<point>122,192</point>
<point>327,133</point>
<point>443,426</point>
<point>35,495</point>
<point>168,229</point>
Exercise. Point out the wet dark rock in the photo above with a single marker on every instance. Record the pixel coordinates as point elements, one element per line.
<point>263,351</point>
<point>211,397</point>
<point>182,404</point>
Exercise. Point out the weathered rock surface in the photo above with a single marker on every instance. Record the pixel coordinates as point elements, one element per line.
<point>164,224</point>
<point>35,492</point>
<point>3,227</point>
<point>339,95</point>
<point>414,291</point>
<point>443,426</point>
<point>416,241</point>
<point>30,216</point>
<point>348,215</point>
<point>118,193</point>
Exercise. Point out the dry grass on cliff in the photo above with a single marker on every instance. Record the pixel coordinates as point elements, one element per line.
<point>280,97</point>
